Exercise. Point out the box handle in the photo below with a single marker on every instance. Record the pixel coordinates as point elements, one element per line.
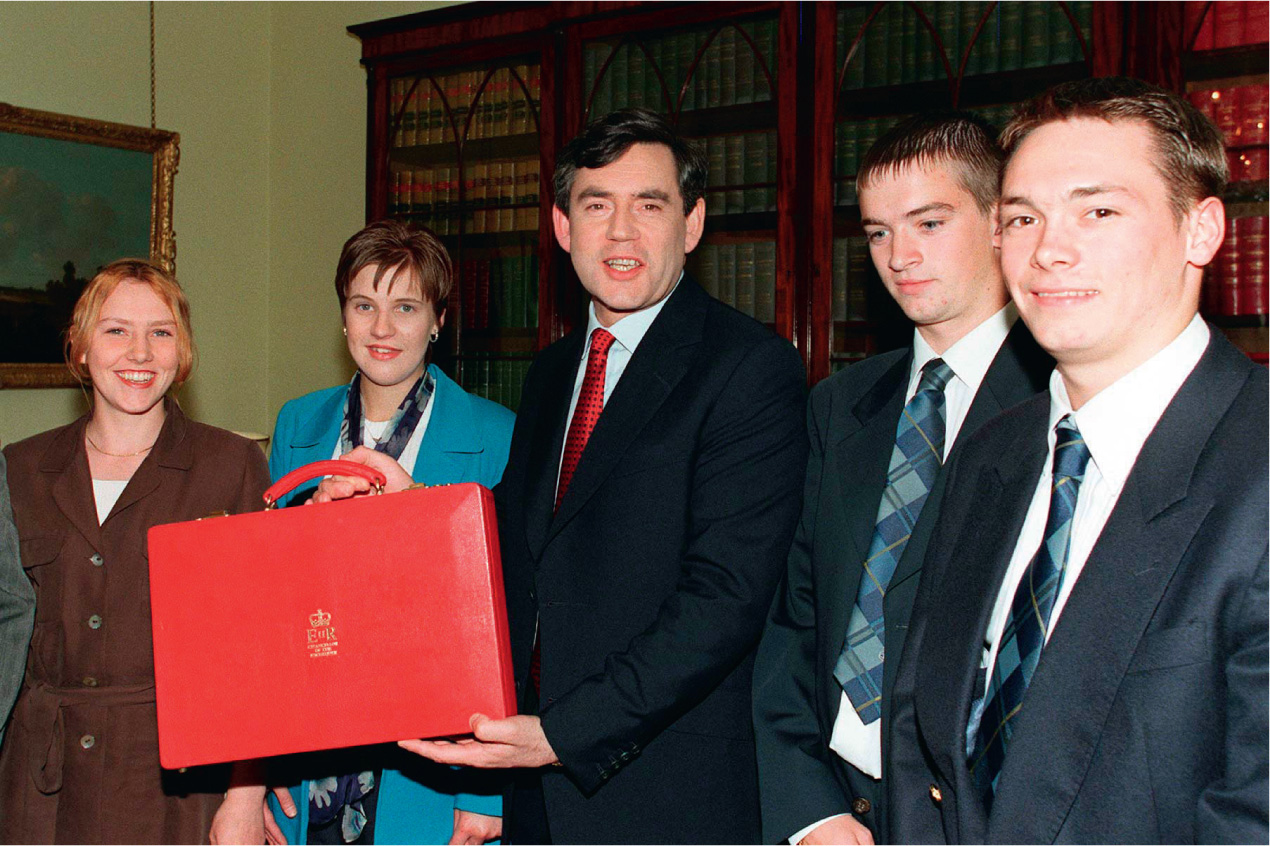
<point>299,475</point>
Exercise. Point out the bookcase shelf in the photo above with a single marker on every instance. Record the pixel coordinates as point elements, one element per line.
<point>475,149</point>
<point>783,98</point>
<point>1228,63</point>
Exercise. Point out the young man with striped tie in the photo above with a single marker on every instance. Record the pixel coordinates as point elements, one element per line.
<point>880,433</point>
<point>1088,655</point>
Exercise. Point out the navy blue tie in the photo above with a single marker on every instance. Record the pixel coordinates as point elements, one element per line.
<point>1025,630</point>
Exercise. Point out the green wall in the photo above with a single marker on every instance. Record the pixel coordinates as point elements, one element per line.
<point>270,102</point>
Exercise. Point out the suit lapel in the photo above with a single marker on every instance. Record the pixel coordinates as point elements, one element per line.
<point>547,437</point>
<point>863,457</point>
<point>73,489</point>
<point>315,436</point>
<point>172,450</point>
<point>1110,607</point>
<point>978,559</point>
<point>1019,371</point>
<point>451,436</point>
<point>661,360</point>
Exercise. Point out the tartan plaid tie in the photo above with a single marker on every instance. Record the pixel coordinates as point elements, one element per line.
<point>1024,635</point>
<point>915,460</point>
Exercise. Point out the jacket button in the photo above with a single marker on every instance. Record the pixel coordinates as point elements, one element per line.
<point>89,681</point>
<point>94,622</point>
<point>936,794</point>
<point>861,806</point>
<point>96,559</point>
<point>87,741</point>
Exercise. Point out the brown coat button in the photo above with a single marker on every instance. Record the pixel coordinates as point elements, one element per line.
<point>861,806</point>
<point>936,795</point>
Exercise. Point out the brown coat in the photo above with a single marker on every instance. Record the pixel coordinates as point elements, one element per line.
<point>80,763</point>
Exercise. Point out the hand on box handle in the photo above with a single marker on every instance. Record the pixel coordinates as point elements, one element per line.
<point>497,744</point>
<point>343,487</point>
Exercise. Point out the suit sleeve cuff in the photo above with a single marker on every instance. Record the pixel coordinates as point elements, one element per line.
<point>803,832</point>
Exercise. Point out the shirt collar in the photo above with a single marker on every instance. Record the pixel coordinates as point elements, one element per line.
<point>1117,421</point>
<point>972,355</point>
<point>631,329</point>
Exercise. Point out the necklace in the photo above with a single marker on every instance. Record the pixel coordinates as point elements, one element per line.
<point>92,444</point>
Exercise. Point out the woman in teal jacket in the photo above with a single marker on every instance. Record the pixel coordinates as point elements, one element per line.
<point>390,278</point>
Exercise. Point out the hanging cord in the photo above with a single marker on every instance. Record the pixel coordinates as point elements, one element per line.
<point>152,123</point>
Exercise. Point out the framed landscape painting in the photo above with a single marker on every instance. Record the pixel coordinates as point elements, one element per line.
<point>75,194</point>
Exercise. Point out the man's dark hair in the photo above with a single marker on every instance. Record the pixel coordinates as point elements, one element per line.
<point>963,141</point>
<point>608,139</point>
<point>1190,156</point>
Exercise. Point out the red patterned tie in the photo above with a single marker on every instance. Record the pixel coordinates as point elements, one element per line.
<point>585,415</point>
<point>587,411</point>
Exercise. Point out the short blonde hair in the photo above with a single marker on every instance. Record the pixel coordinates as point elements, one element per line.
<point>88,309</point>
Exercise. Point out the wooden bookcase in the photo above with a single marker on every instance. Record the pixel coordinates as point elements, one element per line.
<point>1224,72</point>
<point>469,105</point>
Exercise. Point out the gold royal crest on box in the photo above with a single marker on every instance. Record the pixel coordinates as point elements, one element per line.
<point>320,637</point>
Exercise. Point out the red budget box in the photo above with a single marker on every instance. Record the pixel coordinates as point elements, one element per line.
<point>342,624</point>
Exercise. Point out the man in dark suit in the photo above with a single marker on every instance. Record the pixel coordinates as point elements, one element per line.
<point>645,514</point>
<point>879,434</point>
<point>1088,655</point>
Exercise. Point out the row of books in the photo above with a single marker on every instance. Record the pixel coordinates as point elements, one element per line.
<point>849,300</point>
<point>741,174</point>
<point>1227,24</point>
<point>1241,112</point>
<point>852,140</point>
<point>426,109</point>
<point>498,292</point>
<point>1235,281</point>
<point>733,69</point>
<point>741,275</point>
<point>897,48</point>
<point>484,196</point>
<point>495,378</point>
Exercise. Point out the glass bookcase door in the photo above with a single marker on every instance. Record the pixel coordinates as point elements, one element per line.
<point>464,161</point>
<point>717,81</point>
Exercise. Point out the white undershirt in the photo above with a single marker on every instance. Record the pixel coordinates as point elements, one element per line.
<point>1115,424</point>
<point>373,430</point>
<point>106,493</point>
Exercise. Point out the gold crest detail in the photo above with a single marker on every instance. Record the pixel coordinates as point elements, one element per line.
<point>320,635</point>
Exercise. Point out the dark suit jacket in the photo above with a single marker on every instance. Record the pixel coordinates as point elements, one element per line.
<point>17,606</point>
<point>1146,718</point>
<point>652,581</point>
<point>851,420</point>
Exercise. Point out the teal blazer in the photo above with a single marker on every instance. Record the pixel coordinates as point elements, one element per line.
<point>466,441</point>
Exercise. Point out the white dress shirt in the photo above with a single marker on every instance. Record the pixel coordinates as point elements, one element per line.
<point>627,334</point>
<point>1115,424</point>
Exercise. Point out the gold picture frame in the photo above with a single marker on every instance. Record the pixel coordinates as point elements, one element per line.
<point>100,185</point>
